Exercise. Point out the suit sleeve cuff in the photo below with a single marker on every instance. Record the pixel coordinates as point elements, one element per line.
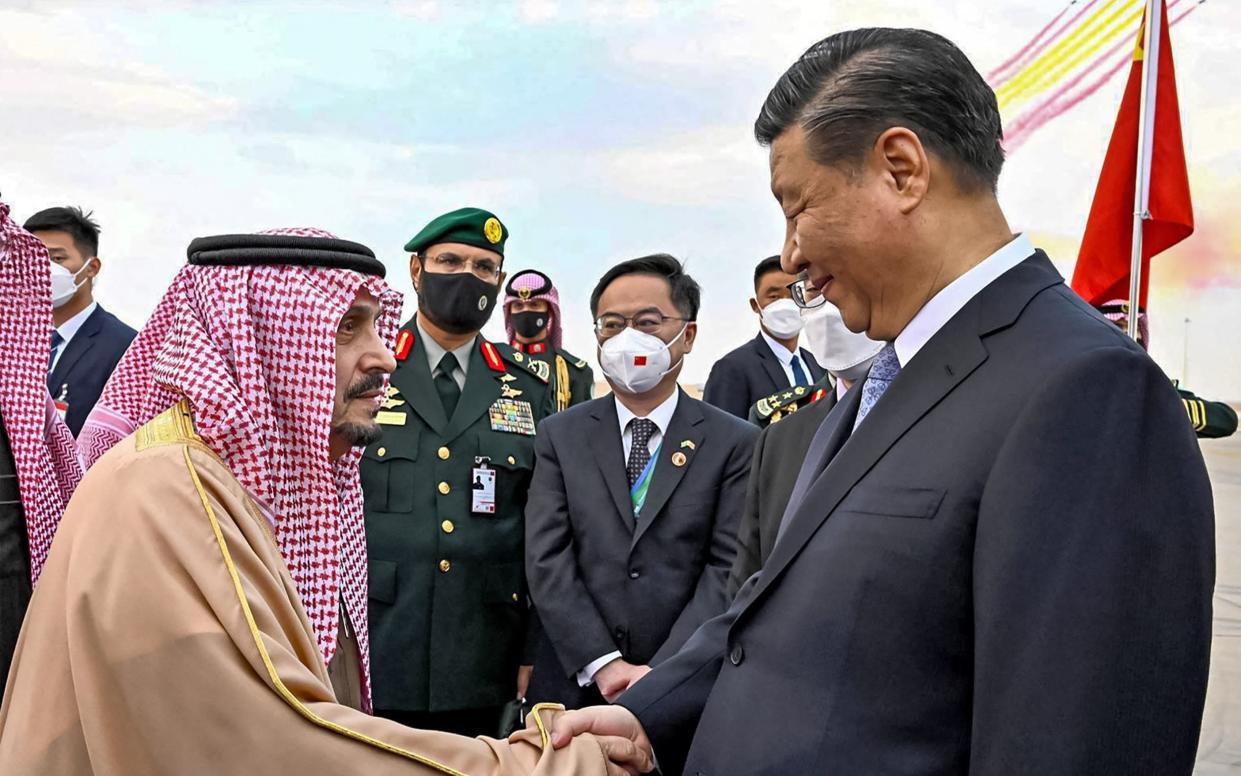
<point>586,677</point>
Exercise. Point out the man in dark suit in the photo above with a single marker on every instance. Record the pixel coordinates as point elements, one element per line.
<point>770,362</point>
<point>789,423</point>
<point>998,556</point>
<point>88,340</point>
<point>620,583</point>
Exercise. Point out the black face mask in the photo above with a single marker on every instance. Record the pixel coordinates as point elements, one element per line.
<point>530,323</point>
<point>458,302</point>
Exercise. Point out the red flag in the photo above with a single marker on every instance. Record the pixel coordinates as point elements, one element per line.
<point>1103,264</point>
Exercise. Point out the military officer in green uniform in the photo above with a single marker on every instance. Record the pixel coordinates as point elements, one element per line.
<point>1209,419</point>
<point>532,321</point>
<point>445,489</point>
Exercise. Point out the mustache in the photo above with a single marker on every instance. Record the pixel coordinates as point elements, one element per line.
<point>367,384</point>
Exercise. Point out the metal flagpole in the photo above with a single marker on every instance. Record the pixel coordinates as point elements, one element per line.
<point>1146,125</point>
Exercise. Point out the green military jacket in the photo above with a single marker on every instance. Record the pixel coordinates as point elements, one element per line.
<point>770,409</point>
<point>571,378</point>
<point>1210,419</point>
<point>448,605</point>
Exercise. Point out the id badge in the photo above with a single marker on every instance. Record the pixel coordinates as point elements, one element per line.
<point>483,500</point>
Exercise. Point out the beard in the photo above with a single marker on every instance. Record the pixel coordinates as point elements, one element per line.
<point>361,434</point>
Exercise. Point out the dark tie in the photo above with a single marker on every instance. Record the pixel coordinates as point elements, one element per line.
<point>883,370</point>
<point>446,385</point>
<point>57,341</point>
<point>639,450</point>
<point>799,374</point>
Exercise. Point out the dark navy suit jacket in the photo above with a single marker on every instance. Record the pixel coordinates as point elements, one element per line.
<point>602,581</point>
<point>1005,571</point>
<point>87,363</point>
<point>750,372</point>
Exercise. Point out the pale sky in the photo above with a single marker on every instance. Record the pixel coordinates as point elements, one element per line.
<point>596,131</point>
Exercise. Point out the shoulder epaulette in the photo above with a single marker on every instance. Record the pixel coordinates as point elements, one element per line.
<point>573,361</point>
<point>538,368</point>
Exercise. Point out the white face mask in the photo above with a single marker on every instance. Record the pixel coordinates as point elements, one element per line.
<point>783,318</point>
<point>65,283</point>
<point>635,362</point>
<point>845,354</point>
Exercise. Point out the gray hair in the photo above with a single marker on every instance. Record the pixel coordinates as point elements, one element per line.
<point>849,88</point>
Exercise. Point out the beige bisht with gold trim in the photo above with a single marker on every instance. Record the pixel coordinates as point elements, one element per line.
<point>167,637</point>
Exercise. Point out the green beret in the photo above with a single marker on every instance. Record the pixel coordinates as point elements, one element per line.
<point>468,225</point>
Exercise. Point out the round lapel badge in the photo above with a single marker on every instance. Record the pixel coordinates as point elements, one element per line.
<point>678,459</point>
<point>492,230</point>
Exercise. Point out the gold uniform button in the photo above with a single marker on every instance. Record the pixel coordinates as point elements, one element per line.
<point>512,461</point>
<point>443,453</point>
<point>381,452</point>
<point>444,488</point>
<point>448,526</point>
<point>445,566</point>
<point>516,597</point>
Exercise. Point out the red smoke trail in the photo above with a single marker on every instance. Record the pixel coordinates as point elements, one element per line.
<point>1008,62</point>
<point>1015,63</point>
<point>1026,124</point>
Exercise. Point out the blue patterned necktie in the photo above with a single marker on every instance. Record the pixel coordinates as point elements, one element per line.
<point>883,370</point>
<point>799,374</point>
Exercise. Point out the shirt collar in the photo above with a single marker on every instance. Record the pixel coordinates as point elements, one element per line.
<point>949,301</point>
<point>782,353</point>
<point>435,351</point>
<point>661,415</point>
<point>71,326</point>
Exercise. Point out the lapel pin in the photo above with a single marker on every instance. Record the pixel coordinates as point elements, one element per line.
<point>690,444</point>
<point>678,458</point>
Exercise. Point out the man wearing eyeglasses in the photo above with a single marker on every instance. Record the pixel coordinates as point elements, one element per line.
<point>633,510</point>
<point>444,492</point>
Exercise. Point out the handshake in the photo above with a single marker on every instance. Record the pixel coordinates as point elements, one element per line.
<point>617,730</point>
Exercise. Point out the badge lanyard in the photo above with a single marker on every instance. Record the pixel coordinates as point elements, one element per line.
<point>637,493</point>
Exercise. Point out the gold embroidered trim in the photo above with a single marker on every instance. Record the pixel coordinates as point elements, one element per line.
<point>281,689</point>
<point>173,426</point>
<point>563,389</point>
<point>544,737</point>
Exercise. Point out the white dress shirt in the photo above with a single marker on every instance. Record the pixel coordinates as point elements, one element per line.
<point>949,301</point>
<point>661,416</point>
<point>69,328</point>
<point>785,357</point>
<point>435,352</point>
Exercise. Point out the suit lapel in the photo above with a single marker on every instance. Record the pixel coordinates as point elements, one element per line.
<point>950,356</point>
<point>77,347</point>
<point>413,379</point>
<point>771,364</point>
<point>480,391</point>
<point>605,443</point>
<point>686,425</point>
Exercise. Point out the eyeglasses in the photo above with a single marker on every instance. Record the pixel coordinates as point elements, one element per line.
<point>646,321</point>
<point>806,296</point>
<point>484,269</point>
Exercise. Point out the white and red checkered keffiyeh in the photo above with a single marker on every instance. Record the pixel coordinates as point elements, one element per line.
<point>532,281</point>
<point>253,349</point>
<point>44,453</point>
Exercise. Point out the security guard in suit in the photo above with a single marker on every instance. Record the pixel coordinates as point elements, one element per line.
<point>445,489</point>
<point>532,322</point>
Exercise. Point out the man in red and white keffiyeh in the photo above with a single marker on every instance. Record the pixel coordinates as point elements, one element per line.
<point>203,607</point>
<point>252,347</point>
<point>36,448</point>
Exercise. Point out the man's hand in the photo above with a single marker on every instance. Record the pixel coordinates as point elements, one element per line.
<point>523,680</point>
<point>619,733</point>
<point>615,677</point>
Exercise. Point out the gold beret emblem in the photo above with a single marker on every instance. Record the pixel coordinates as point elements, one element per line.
<point>522,293</point>
<point>492,230</point>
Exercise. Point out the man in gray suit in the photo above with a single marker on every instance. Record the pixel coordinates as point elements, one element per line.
<point>998,556</point>
<point>632,514</point>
